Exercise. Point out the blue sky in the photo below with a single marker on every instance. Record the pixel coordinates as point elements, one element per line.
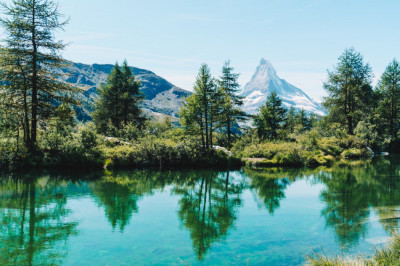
<point>301,38</point>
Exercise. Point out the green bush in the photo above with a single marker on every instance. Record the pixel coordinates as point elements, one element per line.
<point>88,139</point>
<point>354,153</point>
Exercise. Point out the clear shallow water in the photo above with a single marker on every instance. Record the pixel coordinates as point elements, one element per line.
<point>271,216</point>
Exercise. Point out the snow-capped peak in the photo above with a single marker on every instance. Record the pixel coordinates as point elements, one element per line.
<point>264,81</point>
<point>264,75</point>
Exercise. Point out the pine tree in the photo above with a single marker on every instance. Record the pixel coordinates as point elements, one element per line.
<point>27,63</point>
<point>131,97</point>
<point>231,114</point>
<point>216,107</point>
<point>389,87</point>
<point>119,99</point>
<point>191,117</point>
<point>290,121</point>
<point>271,118</point>
<point>303,120</point>
<point>349,90</point>
<point>198,112</point>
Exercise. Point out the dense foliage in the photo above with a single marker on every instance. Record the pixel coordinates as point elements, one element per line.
<point>30,94</point>
<point>214,108</point>
<point>118,103</point>
<point>349,90</point>
<point>38,127</point>
<point>271,118</point>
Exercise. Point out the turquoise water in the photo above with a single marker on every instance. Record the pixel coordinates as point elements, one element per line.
<point>262,217</point>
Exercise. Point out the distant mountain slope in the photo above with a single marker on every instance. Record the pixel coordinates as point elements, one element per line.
<point>160,95</point>
<point>264,81</point>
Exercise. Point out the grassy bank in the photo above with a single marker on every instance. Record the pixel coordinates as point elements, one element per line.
<point>84,148</point>
<point>163,146</point>
<point>309,149</point>
<point>389,255</point>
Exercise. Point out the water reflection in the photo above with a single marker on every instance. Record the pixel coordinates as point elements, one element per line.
<point>33,229</point>
<point>346,199</point>
<point>35,222</point>
<point>208,207</point>
<point>269,185</point>
<point>352,191</point>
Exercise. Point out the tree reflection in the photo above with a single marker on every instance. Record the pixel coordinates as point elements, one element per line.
<point>35,222</point>
<point>270,184</point>
<point>120,192</point>
<point>347,207</point>
<point>208,207</point>
<point>387,197</point>
<point>33,227</point>
<point>351,191</point>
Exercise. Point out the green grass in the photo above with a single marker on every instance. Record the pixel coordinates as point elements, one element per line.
<point>389,255</point>
<point>309,149</point>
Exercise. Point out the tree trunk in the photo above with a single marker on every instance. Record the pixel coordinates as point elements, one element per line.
<point>206,122</point>
<point>202,131</point>
<point>228,127</point>
<point>116,120</point>
<point>34,82</point>
<point>211,130</point>
<point>27,137</point>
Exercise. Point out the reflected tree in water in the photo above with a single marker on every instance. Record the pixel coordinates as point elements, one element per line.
<point>386,201</point>
<point>269,185</point>
<point>33,222</point>
<point>118,199</point>
<point>347,203</point>
<point>208,207</point>
<point>120,192</point>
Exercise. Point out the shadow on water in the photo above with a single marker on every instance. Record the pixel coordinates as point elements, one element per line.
<point>35,222</point>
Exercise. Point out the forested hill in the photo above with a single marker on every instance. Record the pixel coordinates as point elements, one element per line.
<point>162,97</point>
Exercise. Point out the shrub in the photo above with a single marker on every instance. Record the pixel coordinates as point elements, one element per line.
<point>354,153</point>
<point>88,139</point>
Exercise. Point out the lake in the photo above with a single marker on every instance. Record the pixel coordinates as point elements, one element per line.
<point>268,216</point>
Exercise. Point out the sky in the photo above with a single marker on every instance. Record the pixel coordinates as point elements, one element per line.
<point>301,38</point>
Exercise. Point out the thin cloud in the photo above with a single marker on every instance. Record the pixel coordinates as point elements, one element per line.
<point>193,17</point>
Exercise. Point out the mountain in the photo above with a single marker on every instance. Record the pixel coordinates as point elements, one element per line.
<point>161,97</point>
<point>264,81</point>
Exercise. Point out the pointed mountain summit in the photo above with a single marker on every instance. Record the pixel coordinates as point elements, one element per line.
<point>264,81</point>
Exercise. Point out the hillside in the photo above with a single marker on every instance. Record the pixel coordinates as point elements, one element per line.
<point>161,96</point>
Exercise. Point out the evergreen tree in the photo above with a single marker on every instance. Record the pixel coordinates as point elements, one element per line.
<point>270,118</point>
<point>389,87</point>
<point>216,106</point>
<point>27,63</point>
<point>290,121</point>
<point>131,97</point>
<point>197,113</point>
<point>119,99</point>
<point>231,114</point>
<point>191,117</point>
<point>303,120</point>
<point>349,90</point>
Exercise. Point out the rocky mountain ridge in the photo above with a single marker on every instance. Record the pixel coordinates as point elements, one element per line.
<point>161,96</point>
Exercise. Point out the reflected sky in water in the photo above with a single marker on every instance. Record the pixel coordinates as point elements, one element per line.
<point>201,217</point>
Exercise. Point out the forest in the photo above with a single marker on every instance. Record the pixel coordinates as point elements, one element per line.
<point>39,129</point>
